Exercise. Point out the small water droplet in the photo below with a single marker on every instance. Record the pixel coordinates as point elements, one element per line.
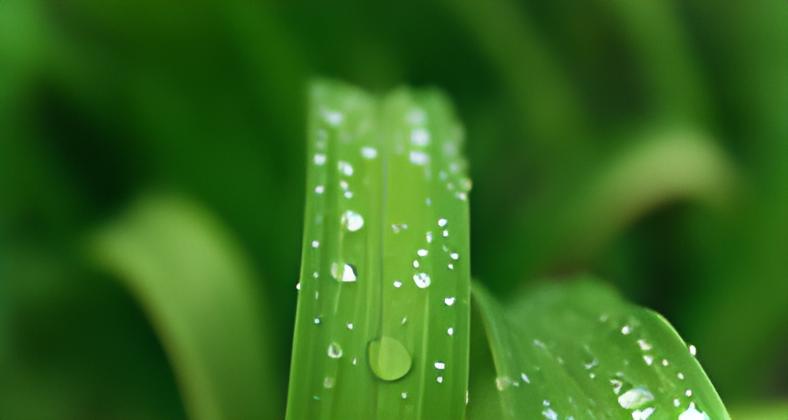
<point>422,280</point>
<point>450,331</point>
<point>349,325</point>
<point>442,222</point>
<point>320,159</point>
<point>688,393</point>
<point>422,252</point>
<point>345,273</point>
<point>449,301</point>
<point>635,398</point>
<point>644,345</point>
<point>334,350</point>
<point>316,321</point>
<point>345,168</point>
<point>648,359</point>
<point>416,264</point>
<point>419,158</point>
<point>692,413</point>
<point>320,189</point>
<point>328,382</point>
<point>503,382</point>
<point>397,284</point>
<point>439,379</point>
<point>445,233</point>
<point>389,360</point>
<point>369,152</point>
<point>439,365</point>
<point>352,221</point>
<point>550,414</point>
<point>643,414</point>
<point>333,117</point>
<point>429,237</point>
<point>665,362</point>
<point>404,395</point>
<point>693,350</point>
<point>455,256</point>
<point>680,376</point>
<point>525,378</point>
<point>315,244</point>
<point>298,286</point>
<point>450,266</point>
<point>626,330</point>
<point>420,137</point>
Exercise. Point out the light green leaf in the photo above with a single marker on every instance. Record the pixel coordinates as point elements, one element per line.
<point>198,291</point>
<point>578,350</point>
<point>382,325</point>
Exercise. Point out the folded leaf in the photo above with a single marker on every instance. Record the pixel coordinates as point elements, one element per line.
<point>197,289</point>
<point>579,351</point>
<point>383,311</point>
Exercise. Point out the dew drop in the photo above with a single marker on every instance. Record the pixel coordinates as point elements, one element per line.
<point>369,152</point>
<point>644,345</point>
<point>439,365</point>
<point>635,398</point>
<point>389,360</point>
<point>397,284</point>
<point>439,379</point>
<point>349,325</point>
<point>334,350</point>
<point>449,301</point>
<point>422,280</point>
<point>503,382</point>
<point>328,382</point>
<point>643,414</point>
<point>422,252</point>
<point>693,413</point>
<point>345,168</point>
<point>320,189</point>
<point>626,330</point>
<point>648,359</point>
<point>333,117</point>
<point>315,244</point>
<point>404,395</point>
<point>419,158</point>
<point>345,273</point>
<point>450,331</point>
<point>455,256</point>
<point>693,350</point>
<point>352,221</point>
<point>445,233</point>
<point>525,378</point>
<point>550,414</point>
<point>442,222</point>
<point>320,159</point>
<point>420,137</point>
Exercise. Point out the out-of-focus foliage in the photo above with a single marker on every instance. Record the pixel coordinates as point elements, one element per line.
<point>644,141</point>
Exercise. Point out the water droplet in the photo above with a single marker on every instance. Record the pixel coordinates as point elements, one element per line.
<point>693,350</point>
<point>439,379</point>
<point>320,189</point>
<point>676,402</point>
<point>349,325</point>
<point>316,321</point>
<point>445,233</point>
<point>550,414</point>
<point>315,244</point>
<point>450,331</point>
<point>442,222</point>
<point>369,152</point>
<point>389,360</point>
<point>404,395</point>
<point>420,137</point>
<point>344,272</point>
<point>334,350</point>
<point>648,359</point>
<point>439,365</point>
<point>525,378</point>
<point>345,168</point>
<point>455,256</point>
<point>422,280</point>
<point>429,237</point>
<point>328,382</point>
<point>503,382</point>
<point>320,159</point>
<point>352,221</point>
<point>688,393</point>
<point>397,284</point>
<point>416,264</point>
<point>333,117</point>
<point>450,266</point>
<point>644,345</point>
<point>422,252</point>
<point>635,398</point>
<point>665,362</point>
<point>626,330</point>
<point>419,158</point>
<point>643,414</point>
<point>693,413</point>
<point>449,301</point>
<point>680,376</point>
<point>298,286</point>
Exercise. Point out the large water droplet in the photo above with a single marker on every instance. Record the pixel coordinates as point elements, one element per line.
<point>334,350</point>
<point>389,360</point>
<point>343,272</point>
<point>693,413</point>
<point>422,280</point>
<point>352,221</point>
<point>635,398</point>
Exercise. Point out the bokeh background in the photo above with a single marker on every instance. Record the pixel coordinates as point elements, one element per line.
<point>643,141</point>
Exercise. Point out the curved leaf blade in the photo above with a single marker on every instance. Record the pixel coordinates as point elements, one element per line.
<point>195,285</point>
<point>383,310</point>
<point>579,350</point>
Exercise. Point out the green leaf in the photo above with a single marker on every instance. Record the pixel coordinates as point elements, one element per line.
<point>382,324</point>
<point>578,350</point>
<point>198,290</point>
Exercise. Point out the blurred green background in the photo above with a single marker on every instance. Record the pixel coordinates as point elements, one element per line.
<point>644,141</point>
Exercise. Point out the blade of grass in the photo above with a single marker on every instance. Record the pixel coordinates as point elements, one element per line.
<point>197,288</point>
<point>382,323</point>
<point>578,350</point>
